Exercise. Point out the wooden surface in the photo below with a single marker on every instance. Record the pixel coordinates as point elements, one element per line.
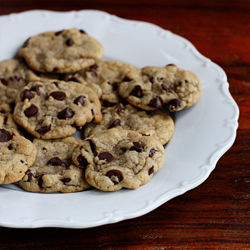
<point>215,215</point>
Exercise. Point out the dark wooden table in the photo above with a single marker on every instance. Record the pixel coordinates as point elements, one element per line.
<point>215,215</point>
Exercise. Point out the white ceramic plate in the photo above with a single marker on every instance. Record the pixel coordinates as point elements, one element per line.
<point>203,132</point>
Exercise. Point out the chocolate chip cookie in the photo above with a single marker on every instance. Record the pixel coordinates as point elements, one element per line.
<point>104,77</point>
<point>118,158</point>
<point>52,109</point>
<point>151,87</point>
<point>14,75</point>
<point>154,123</point>
<point>64,51</point>
<point>16,155</point>
<point>53,169</point>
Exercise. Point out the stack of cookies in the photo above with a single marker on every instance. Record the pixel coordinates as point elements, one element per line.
<point>58,85</point>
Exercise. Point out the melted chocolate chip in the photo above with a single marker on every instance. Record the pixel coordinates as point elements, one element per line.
<point>66,180</point>
<point>36,89</point>
<point>27,94</point>
<point>82,161</point>
<point>40,181</point>
<point>82,31</point>
<point>29,174</point>
<point>151,170</point>
<point>58,32</point>
<point>4,81</point>
<point>126,79</point>
<point>44,130</point>
<point>156,102</point>
<point>114,174</point>
<point>175,103</point>
<point>31,111</point>
<point>137,91</point>
<point>120,108</point>
<point>55,161</point>
<point>106,157</point>
<point>152,152</point>
<point>58,95</point>
<point>69,42</point>
<point>115,123</point>
<point>66,113</point>
<point>166,88</point>
<point>80,99</point>
<point>5,135</point>
<point>137,147</point>
<point>92,144</point>
<point>25,44</point>
<point>74,79</point>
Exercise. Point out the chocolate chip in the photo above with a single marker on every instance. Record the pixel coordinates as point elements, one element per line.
<point>137,91</point>
<point>82,161</point>
<point>44,130</point>
<point>40,181</point>
<point>29,174</point>
<point>27,94</point>
<point>57,162</point>
<point>74,79</point>
<point>115,176</point>
<point>31,111</point>
<point>5,135</point>
<point>171,64</point>
<point>25,44</point>
<point>58,32</point>
<point>106,157</point>
<point>58,95</point>
<point>82,31</point>
<point>126,79</point>
<point>4,81</point>
<point>22,161</point>
<point>166,88</point>
<point>137,147</point>
<point>10,147</point>
<point>175,104</point>
<point>151,170</point>
<point>80,99</point>
<point>117,122</point>
<point>156,102</point>
<point>66,180</point>
<point>120,108</point>
<point>95,67</point>
<point>36,89</point>
<point>186,81</point>
<point>92,144</point>
<point>69,42</point>
<point>66,113</point>
<point>152,152</point>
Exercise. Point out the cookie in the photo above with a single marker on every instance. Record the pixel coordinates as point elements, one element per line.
<point>14,75</point>
<point>16,155</point>
<point>53,169</point>
<point>65,51</point>
<point>154,123</point>
<point>152,87</point>
<point>118,158</point>
<point>104,77</point>
<point>52,109</point>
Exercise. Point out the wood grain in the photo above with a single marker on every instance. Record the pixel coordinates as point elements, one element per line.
<point>215,215</point>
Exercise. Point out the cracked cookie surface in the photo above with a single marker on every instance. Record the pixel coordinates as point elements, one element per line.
<point>119,158</point>
<point>154,123</point>
<point>52,109</point>
<point>64,51</point>
<point>151,87</point>
<point>53,169</point>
